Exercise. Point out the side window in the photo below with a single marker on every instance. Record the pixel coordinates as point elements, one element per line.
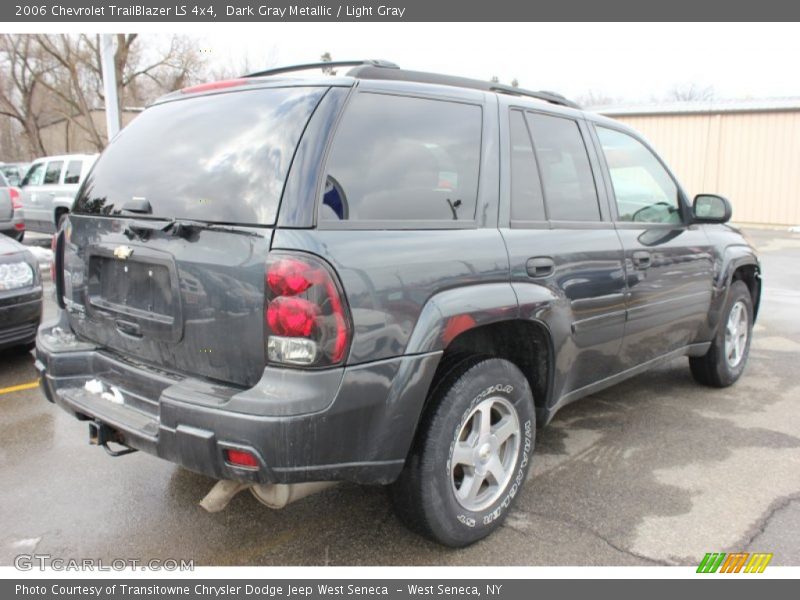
<point>73,172</point>
<point>569,187</point>
<point>644,190</point>
<point>34,175</point>
<point>53,172</point>
<point>527,202</point>
<point>403,158</point>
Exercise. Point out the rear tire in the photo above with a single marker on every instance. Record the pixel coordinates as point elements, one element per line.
<point>471,453</point>
<point>725,361</point>
<point>20,236</point>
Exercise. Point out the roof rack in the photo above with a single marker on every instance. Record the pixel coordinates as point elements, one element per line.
<point>383,69</point>
<point>371,71</point>
<point>381,64</point>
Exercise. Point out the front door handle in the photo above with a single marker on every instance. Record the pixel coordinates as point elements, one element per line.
<point>540,266</point>
<point>641,259</point>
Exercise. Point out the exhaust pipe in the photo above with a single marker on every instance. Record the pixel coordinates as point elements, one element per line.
<point>278,495</point>
<point>273,495</point>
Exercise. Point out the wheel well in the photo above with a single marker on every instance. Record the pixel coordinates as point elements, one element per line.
<point>751,277</point>
<point>524,343</point>
<point>60,211</point>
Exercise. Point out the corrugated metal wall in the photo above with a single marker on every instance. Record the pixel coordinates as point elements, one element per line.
<point>751,158</point>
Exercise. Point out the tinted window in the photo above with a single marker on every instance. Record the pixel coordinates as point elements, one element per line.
<point>219,158</point>
<point>644,190</point>
<point>401,158</point>
<point>34,175</point>
<point>73,172</point>
<point>53,172</point>
<point>527,203</point>
<point>566,173</point>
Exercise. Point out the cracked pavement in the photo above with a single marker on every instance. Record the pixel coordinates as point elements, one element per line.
<point>657,470</point>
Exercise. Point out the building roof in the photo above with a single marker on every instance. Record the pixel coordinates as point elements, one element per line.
<point>699,107</point>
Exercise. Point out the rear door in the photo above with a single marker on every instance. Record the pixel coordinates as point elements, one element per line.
<point>561,237</point>
<point>167,242</point>
<point>668,261</point>
<point>50,189</point>
<point>32,191</point>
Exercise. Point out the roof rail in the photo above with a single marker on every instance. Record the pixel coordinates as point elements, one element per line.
<point>379,64</point>
<point>551,97</point>
<point>383,69</point>
<point>369,71</point>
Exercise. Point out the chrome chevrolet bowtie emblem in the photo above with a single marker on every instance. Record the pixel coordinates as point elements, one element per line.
<point>123,252</point>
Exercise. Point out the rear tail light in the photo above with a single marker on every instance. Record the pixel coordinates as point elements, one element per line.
<point>307,319</point>
<point>15,201</point>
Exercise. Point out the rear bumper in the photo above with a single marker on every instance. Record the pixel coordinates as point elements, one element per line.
<point>354,423</point>
<point>19,318</point>
<point>12,227</point>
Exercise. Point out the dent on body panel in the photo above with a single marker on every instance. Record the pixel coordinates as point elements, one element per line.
<point>389,276</point>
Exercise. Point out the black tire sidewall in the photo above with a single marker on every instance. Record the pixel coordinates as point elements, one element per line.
<point>728,374</point>
<point>450,522</point>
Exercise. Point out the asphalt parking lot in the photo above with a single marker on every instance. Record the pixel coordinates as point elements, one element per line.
<point>657,470</point>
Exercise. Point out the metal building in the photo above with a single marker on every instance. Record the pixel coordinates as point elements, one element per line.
<point>747,151</point>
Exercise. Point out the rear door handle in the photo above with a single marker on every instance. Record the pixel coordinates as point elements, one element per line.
<point>641,259</point>
<point>540,266</point>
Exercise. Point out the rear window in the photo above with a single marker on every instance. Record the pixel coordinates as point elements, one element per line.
<point>569,187</point>
<point>73,172</point>
<point>221,158</point>
<point>53,172</point>
<point>398,158</point>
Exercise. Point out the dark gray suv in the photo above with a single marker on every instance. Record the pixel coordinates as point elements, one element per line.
<point>390,277</point>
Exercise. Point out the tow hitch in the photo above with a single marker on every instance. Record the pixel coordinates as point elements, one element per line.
<point>101,434</point>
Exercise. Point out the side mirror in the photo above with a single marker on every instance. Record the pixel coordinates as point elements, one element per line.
<point>710,208</point>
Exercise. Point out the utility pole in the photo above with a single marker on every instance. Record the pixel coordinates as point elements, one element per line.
<point>110,85</point>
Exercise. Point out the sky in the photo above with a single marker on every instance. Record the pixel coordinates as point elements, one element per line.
<point>630,62</point>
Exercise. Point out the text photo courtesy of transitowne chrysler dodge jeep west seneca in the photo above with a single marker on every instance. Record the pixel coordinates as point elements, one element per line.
<point>388,277</point>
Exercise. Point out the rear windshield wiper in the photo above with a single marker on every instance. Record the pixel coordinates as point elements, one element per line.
<point>179,227</point>
<point>186,227</point>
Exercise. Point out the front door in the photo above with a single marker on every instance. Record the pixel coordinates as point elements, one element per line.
<point>668,261</point>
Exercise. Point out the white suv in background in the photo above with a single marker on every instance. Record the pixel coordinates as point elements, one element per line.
<point>49,188</point>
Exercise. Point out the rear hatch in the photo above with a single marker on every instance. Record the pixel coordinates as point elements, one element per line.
<point>164,253</point>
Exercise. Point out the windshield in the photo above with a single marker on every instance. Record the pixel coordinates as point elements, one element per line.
<point>221,158</point>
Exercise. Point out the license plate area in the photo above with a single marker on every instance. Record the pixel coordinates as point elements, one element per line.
<point>138,296</point>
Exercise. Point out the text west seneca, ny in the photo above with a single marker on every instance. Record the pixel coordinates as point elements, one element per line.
<point>298,10</point>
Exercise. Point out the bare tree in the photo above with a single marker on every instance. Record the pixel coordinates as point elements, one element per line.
<point>595,98</point>
<point>690,91</point>
<point>71,83</point>
<point>21,91</point>
<point>60,76</point>
<point>515,83</point>
<point>495,79</point>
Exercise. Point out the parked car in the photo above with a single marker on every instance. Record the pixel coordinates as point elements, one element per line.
<point>427,269</point>
<point>49,188</point>
<point>20,295</point>
<point>14,172</point>
<point>11,218</point>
